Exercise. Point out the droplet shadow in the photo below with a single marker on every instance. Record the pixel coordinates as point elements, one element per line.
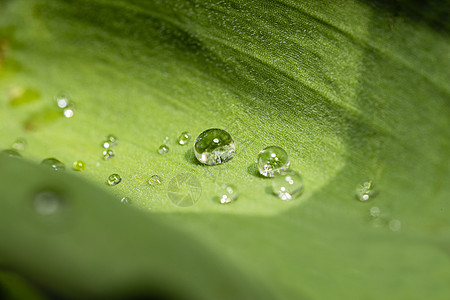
<point>189,156</point>
<point>252,169</point>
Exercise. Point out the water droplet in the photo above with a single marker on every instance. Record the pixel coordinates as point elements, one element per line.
<point>11,153</point>
<point>163,149</point>
<point>62,101</point>
<point>214,146</point>
<point>365,191</point>
<point>272,160</point>
<point>19,144</point>
<point>47,203</point>
<point>108,154</point>
<point>375,211</point>
<point>228,194</point>
<point>69,111</point>
<point>184,138</point>
<point>155,180</point>
<point>287,185</point>
<point>79,165</point>
<point>166,140</point>
<point>395,225</point>
<point>124,200</point>
<point>114,179</point>
<point>110,141</point>
<point>54,164</point>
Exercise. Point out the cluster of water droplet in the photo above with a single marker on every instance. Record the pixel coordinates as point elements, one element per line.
<point>66,105</point>
<point>109,142</point>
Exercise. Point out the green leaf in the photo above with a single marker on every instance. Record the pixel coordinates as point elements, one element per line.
<point>352,91</point>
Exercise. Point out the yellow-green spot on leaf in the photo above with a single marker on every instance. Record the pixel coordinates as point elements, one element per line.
<point>20,95</point>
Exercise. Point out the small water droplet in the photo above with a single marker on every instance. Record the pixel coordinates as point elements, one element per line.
<point>214,146</point>
<point>375,211</point>
<point>272,160</point>
<point>19,144</point>
<point>11,153</point>
<point>79,165</point>
<point>163,149</point>
<point>365,191</point>
<point>62,101</point>
<point>229,193</point>
<point>125,200</point>
<point>114,179</point>
<point>287,185</point>
<point>110,141</point>
<point>69,112</point>
<point>184,138</point>
<point>47,203</point>
<point>54,164</point>
<point>166,140</point>
<point>155,180</point>
<point>395,225</point>
<point>108,154</point>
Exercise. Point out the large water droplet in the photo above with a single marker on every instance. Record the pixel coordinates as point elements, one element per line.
<point>155,180</point>
<point>163,149</point>
<point>214,146</point>
<point>79,165</point>
<point>114,179</point>
<point>11,153</point>
<point>287,185</point>
<point>272,160</point>
<point>365,191</point>
<point>375,211</point>
<point>19,144</point>
<point>228,193</point>
<point>54,164</point>
<point>184,138</point>
<point>108,154</point>
<point>47,203</point>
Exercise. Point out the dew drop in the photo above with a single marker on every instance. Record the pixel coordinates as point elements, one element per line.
<point>166,140</point>
<point>19,144</point>
<point>155,180</point>
<point>163,149</point>
<point>214,146</point>
<point>69,111</point>
<point>365,191</point>
<point>287,185</point>
<point>184,138</point>
<point>229,193</point>
<point>375,211</point>
<point>79,165</point>
<point>114,179</point>
<point>11,153</point>
<point>47,203</point>
<point>108,154</point>
<point>125,200</point>
<point>54,164</point>
<point>395,225</point>
<point>272,160</point>
<point>110,141</point>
